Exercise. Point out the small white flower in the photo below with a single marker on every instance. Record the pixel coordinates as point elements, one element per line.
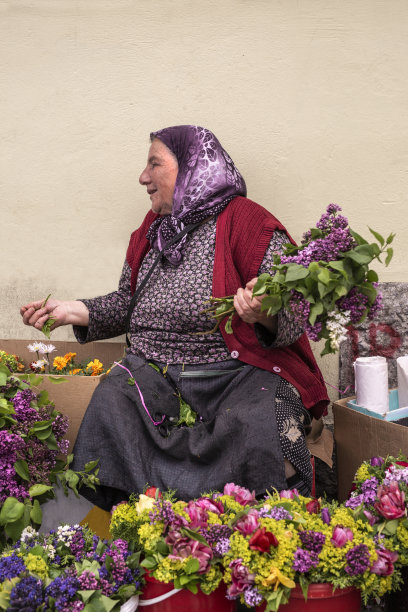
<point>28,533</point>
<point>35,347</point>
<point>49,348</point>
<point>40,363</point>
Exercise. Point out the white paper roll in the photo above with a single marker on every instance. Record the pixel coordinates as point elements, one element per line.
<point>402,376</point>
<point>371,382</point>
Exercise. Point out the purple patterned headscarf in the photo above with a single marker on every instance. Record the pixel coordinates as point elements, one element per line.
<point>207,181</point>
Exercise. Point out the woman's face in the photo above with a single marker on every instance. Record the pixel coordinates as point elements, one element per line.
<point>159,177</point>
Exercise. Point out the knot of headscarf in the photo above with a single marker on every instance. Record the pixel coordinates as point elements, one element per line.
<point>207,181</point>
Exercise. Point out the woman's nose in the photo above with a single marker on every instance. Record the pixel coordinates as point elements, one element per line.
<point>144,177</point>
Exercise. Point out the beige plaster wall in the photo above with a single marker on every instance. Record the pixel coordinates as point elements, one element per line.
<point>309,97</point>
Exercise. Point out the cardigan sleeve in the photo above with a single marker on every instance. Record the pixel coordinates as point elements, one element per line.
<point>289,330</point>
<point>107,313</point>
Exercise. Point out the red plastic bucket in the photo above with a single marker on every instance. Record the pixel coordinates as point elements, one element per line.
<point>183,600</point>
<point>322,598</point>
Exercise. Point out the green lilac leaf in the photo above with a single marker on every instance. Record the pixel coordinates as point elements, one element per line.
<point>21,468</point>
<point>12,510</point>
<point>39,489</point>
<point>377,236</point>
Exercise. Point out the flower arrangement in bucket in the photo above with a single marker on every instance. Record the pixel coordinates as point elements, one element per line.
<point>325,282</point>
<point>68,569</point>
<point>379,496</point>
<point>62,365</point>
<point>260,550</point>
<point>32,446</point>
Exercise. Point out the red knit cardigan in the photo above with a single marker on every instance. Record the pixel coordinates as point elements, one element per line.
<point>244,230</point>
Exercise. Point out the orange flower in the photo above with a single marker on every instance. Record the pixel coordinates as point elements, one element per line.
<point>59,363</point>
<point>70,357</point>
<point>96,367</point>
<point>75,371</point>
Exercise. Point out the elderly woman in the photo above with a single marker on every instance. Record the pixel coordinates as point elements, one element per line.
<point>185,410</point>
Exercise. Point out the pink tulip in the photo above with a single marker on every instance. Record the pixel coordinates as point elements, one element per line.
<point>384,566</point>
<point>341,535</point>
<point>249,523</point>
<point>212,505</point>
<point>183,547</point>
<point>198,515</point>
<point>289,493</point>
<point>391,504</point>
<point>240,494</point>
<point>241,578</point>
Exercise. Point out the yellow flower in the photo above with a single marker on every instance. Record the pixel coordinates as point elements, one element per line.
<point>276,578</point>
<point>96,367</point>
<point>144,503</point>
<point>59,363</point>
<point>36,565</point>
<point>75,371</point>
<point>69,357</point>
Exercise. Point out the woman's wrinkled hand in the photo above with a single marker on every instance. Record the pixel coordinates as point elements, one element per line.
<point>249,308</point>
<point>64,312</point>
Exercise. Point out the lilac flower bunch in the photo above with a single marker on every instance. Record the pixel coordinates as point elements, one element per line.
<point>32,440</point>
<point>69,569</point>
<point>325,281</point>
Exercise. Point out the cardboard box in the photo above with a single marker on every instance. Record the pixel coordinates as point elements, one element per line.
<point>359,437</point>
<point>73,396</point>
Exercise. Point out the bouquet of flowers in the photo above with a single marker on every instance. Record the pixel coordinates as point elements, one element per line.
<point>62,365</point>
<point>69,569</point>
<point>325,282</point>
<point>11,361</point>
<point>31,443</point>
<point>260,550</point>
<point>379,497</point>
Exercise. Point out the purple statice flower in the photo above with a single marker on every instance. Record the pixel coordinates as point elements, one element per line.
<point>312,540</point>
<point>358,560</point>
<point>26,594</point>
<point>222,546</point>
<point>277,512</point>
<point>252,597</point>
<point>354,502</point>
<point>77,544</point>
<point>10,567</point>
<point>162,511</point>
<point>304,560</point>
<point>62,589</point>
<point>369,489</point>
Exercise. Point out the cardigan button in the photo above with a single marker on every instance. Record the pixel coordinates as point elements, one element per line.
<point>276,369</point>
<point>234,354</point>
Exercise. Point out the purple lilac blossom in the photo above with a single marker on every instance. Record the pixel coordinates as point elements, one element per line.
<point>222,546</point>
<point>369,489</point>
<point>252,597</point>
<point>312,540</point>
<point>355,303</point>
<point>277,512</point>
<point>358,560</point>
<point>355,501</point>
<point>304,560</point>
<point>162,511</point>
<point>217,533</point>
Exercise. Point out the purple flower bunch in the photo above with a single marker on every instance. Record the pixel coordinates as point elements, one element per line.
<point>52,570</point>
<point>25,456</point>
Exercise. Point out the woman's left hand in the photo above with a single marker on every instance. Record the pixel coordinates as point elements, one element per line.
<point>249,308</point>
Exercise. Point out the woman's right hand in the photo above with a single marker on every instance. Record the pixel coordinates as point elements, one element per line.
<point>66,312</point>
